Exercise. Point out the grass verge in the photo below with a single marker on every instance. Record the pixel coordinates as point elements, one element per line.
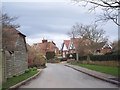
<point>14,80</point>
<point>104,69</point>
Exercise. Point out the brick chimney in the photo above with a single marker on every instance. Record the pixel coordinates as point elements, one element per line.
<point>44,41</point>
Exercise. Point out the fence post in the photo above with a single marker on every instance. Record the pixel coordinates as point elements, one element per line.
<point>88,59</point>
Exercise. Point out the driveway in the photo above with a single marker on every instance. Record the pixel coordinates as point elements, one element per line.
<point>60,76</point>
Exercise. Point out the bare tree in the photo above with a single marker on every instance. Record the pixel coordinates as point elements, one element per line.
<point>7,21</point>
<point>90,36</point>
<point>110,9</point>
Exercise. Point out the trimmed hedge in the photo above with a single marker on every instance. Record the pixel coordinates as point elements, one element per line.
<point>100,57</point>
<point>104,57</point>
<point>50,55</point>
<point>107,56</point>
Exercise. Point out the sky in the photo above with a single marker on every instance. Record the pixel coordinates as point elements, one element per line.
<point>52,19</point>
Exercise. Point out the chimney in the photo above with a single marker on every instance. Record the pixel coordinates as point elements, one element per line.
<point>44,41</point>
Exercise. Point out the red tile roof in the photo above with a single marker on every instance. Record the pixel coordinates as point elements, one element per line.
<point>76,41</point>
<point>67,43</point>
<point>47,46</point>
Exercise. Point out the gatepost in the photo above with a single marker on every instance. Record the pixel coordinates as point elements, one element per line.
<point>0,49</point>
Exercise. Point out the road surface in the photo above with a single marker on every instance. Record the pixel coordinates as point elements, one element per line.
<point>60,76</point>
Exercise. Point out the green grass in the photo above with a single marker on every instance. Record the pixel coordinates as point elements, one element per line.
<point>14,80</point>
<point>104,69</point>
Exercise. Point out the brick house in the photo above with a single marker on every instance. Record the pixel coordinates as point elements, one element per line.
<point>46,46</point>
<point>103,48</point>
<point>14,52</point>
<point>69,46</point>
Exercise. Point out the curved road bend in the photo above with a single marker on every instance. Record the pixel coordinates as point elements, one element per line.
<point>60,76</point>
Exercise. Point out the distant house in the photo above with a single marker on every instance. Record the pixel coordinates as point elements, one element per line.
<point>103,48</point>
<point>46,46</point>
<point>65,49</point>
<point>72,45</point>
<point>75,43</point>
<point>14,52</point>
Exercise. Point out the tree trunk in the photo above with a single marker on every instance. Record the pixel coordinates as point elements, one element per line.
<point>88,59</point>
<point>77,56</point>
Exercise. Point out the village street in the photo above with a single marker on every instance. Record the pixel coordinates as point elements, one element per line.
<point>60,76</point>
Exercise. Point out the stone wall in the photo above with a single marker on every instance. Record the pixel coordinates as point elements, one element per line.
<point>9,64</point>
<point>16,62</point>
<point>20,60</point>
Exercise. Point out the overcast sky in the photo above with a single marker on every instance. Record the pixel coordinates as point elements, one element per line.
<point>52,20</point>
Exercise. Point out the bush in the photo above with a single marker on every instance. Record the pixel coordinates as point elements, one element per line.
<point>50,55</point>
<point>34,69</point>
<point>30,69</point>
<point>27,71</point>
<point>35,58</point>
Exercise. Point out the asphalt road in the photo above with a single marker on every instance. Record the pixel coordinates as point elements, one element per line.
<point>60,76</point>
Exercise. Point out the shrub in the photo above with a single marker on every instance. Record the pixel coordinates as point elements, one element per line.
<point>35,58</point>
<point>30,69</point>
<point>27,71</point>
<point>50,55</point>
<point>34,68</point>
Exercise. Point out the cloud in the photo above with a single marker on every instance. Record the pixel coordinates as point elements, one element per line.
<point>57,38</point>
<point>52,20</point>
<point>35,0</point>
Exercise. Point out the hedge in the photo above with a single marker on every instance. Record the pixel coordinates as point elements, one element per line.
<point>104,57</point>
<point>100,57</point>
<point>82,57</point>
<point>108,56</point>
<point>50,55</point>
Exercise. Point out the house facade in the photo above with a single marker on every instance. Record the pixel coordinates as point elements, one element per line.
<point>81,46</point>
<point>104,48</point>
<point>65,49</point>
<point>46,46</point>
<point>14,52</point>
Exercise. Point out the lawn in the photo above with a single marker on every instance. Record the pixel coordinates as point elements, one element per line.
<point>14,80</point>
<point>104,69</point>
